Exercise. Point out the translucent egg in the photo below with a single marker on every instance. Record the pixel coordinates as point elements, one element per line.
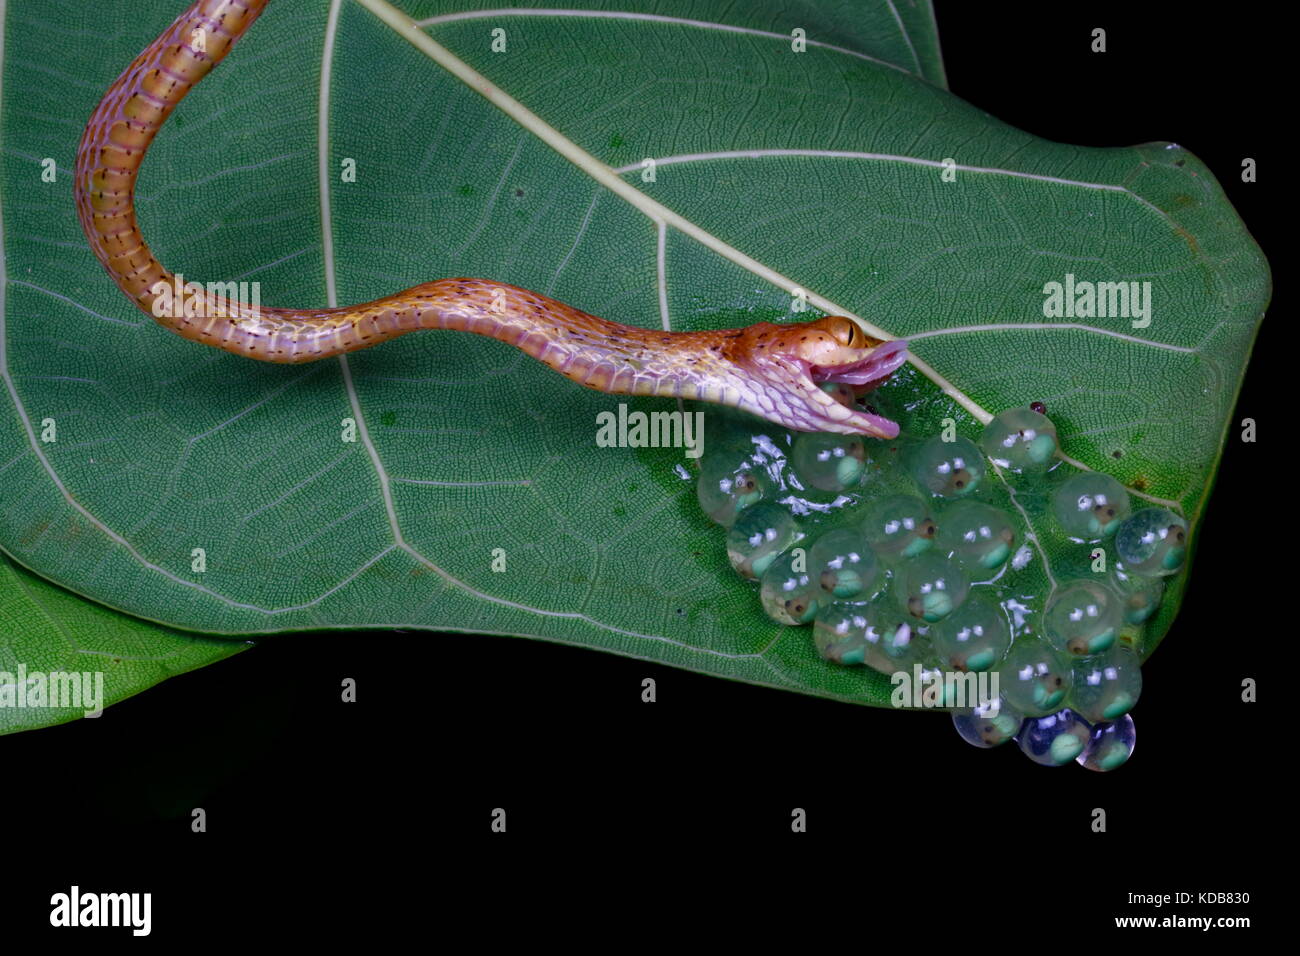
<point>940,688</point>
<point>899,526</point>
<point>1056,739</point>
<point>1034,678</point>
<point>1153,542</point>
<point>894,643</point>
<point>788,593</point>
<point>974,637</point>
<point>843,564</point>
<point>931,587</point>
<point>949,469</point>
<point>828,461</point>
<point>987,725</point>
<point>1140,596</point>
<point>1082,617</point>
<point>727,487</point>
<point>839,633</point>
<point>977,534</point>
<point>1107,687</point>
<point>1090,506</point>
<point>1110,745</point>
<point>1020,439</point>
<point>760,533</point>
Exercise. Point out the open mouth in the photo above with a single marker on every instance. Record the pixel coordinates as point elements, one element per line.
<point>884,360</point>
<point>863,375</point>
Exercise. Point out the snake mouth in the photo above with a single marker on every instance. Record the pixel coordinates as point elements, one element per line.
<point>884,360</point>
<point>792,393</point>
<point>863,373</point>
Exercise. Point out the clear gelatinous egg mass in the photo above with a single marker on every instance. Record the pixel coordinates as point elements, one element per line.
<point>843,563</point>
<point>987,725</point>
<point>948,469</point>
<point>1152,541</point>
<point>1082,617</point>
<point>1110,745</point>
<point>839,633</point>
<point>1034,678</point>
<point>931,587</point>
<point>894,643</point>
<point>899,526</point>
<point>829,462</point>
<point>1090,505</point>
<point>760,534</point>
<point>1020,439</point>
<point>1055,739</point>
<point>976,534</point>
<point>974,637</point>
<point>1107,687</point>
<point>993,571</point>
<point>1140,595</point>
<point>726,488</point>
<point>788,593</point>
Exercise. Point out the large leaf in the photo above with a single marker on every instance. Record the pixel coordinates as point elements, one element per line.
<point>46,631</point>
<point>821,170</point>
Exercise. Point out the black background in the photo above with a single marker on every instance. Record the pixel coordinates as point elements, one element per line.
<point>350,809</point>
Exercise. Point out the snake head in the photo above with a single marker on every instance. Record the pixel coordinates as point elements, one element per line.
<point>792,362</point>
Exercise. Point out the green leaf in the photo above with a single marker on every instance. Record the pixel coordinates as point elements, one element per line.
<point>45,630</point>
<point>820,170</point>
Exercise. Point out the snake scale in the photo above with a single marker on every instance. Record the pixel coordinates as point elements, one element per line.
<point>773,371</point>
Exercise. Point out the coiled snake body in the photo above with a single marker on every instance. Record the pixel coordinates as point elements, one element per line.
<point>773,371</point>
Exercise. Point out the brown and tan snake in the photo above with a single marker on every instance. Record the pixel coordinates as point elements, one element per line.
<point>773,371</point>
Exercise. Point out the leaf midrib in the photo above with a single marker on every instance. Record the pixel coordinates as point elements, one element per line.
<point>598,171</point>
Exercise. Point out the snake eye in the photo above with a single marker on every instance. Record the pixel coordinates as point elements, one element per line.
<point>845,331</point>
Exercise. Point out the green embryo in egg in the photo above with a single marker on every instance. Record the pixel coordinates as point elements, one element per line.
<point>899,525</point>
<point>948,469</point>
<point>1083,617</point>
<point>1140,596</point>
<point>726,488</point>
<point>988,724</point>
<point>931,587</point>
<point>829,462</point>
<point>1107,686</point>
<point>1034,678</point>
<point>1020,439</point>
<point>977,534</point>
<point>1152,541</point>
<point>759,535</point>
<point>894,642</point>
<point>843,563</point>
<point>839,633</point>
<point>789,594</point>
<point>974,637</point>
<point>1090,505</point>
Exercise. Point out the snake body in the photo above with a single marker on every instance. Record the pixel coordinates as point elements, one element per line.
<point>774,371</point>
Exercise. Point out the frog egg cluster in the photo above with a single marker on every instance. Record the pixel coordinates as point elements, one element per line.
<point>902,562</point>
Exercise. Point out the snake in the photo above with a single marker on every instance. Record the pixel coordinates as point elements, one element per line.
<point>805,376</point>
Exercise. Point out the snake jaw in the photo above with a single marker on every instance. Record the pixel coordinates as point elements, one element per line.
<point>792,395</point>
<point>872,369</point>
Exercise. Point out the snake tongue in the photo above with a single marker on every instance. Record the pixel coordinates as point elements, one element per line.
<point>879,365</point>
